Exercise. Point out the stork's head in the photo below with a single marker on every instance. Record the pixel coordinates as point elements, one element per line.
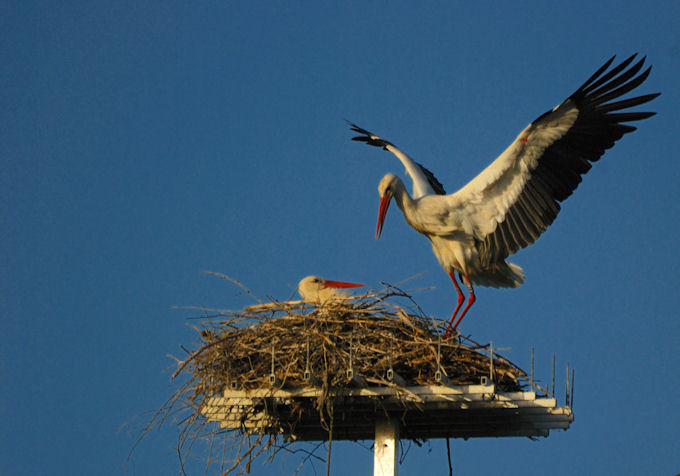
<point>386,190</point>
<point>314,288</point>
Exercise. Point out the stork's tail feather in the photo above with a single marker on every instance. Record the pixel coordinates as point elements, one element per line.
<point>499,275</point>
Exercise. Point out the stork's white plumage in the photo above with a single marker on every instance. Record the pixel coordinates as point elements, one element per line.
<point>512,202</point>
<point>314,288</point>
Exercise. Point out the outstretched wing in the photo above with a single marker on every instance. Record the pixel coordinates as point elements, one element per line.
<point>424,181</point>
<point>511,202</point>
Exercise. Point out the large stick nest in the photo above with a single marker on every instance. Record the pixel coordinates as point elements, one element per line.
<point>370,335</point>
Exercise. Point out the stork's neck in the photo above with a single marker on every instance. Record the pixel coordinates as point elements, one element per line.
<point>404,201</point>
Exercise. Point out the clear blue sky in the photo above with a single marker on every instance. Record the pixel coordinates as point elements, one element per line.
<point>144,142</point>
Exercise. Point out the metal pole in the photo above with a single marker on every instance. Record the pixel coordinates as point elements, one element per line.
<point>553,379</point>
<point>273,379</point>
<point>566,397</point>
<point>491,361</point>
<point>385,448</point>
<point>531,387</point>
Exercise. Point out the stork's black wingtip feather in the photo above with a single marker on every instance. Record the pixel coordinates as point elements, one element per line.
<point>355,128</point>
<point>353,125</point>
<point>368,137</point>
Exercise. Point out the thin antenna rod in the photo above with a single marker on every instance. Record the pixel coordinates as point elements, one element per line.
<point>553,377</point>
<point>566,397</point>
<point>572,388</point>
<point>491,361</point>
<point>531,388</point>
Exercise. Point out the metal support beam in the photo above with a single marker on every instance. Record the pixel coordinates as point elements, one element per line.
<point>385,448</point>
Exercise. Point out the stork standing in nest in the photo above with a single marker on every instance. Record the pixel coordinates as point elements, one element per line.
<point>314,288</point>
<point>514,200</point>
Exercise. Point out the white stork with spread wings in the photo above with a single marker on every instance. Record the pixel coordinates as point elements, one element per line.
<point>512,202</point>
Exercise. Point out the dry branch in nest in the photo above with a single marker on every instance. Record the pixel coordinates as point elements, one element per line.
<point>298,344</point>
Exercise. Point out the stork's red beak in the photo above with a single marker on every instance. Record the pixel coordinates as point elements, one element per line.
<point>384,204</point>
<point>340,284</point>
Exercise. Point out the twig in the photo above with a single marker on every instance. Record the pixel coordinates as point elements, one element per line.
<point>193,355</point>
<point>330,442</point>
<point>238,283</point>
<point>448,456</point>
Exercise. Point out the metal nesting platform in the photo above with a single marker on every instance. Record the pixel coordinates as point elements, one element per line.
<point>421,412</point>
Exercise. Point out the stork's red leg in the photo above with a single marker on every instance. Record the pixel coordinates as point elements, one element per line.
<point>471,301</point>
<point>461,298</point>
